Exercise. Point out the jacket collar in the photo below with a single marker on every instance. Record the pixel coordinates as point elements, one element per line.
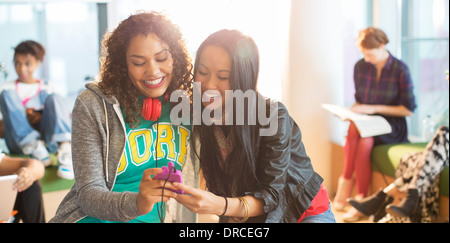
<point>96,89</point>
<point>389,61</point>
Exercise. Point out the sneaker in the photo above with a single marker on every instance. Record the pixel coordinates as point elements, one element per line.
<point>65,168</point>
<point>352,215</point>
<point>37,150</point>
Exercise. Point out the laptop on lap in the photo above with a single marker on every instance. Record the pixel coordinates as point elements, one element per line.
<point>7,196</point>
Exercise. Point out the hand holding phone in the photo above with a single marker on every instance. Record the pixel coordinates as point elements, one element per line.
<point>170,174</point>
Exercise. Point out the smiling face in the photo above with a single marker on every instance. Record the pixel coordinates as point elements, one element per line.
<point>25,65</point>
<point>150,65</point>
<point>214,71</point>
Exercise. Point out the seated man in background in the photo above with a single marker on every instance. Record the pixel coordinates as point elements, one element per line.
<point>36,120</point>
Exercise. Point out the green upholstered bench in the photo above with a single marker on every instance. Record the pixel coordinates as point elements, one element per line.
<point>386,158</point>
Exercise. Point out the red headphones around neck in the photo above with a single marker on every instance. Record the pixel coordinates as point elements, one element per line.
<point>151,108</point>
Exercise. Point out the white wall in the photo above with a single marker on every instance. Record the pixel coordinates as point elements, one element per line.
<point>318,46</point>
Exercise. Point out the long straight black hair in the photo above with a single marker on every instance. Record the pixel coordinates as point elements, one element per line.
<point>237,174</point>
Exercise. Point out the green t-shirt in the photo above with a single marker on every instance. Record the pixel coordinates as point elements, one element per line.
<point>141,152</point>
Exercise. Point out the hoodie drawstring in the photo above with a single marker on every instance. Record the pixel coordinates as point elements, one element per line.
<point>107,141</point>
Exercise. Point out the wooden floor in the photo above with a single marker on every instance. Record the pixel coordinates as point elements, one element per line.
<point>52,201</point>
<point>339,215</point>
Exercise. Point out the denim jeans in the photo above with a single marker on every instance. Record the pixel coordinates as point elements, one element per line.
<point>325,217</point>
<point>55,124</point>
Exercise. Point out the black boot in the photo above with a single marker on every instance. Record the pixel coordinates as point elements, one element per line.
<point>408,207</point>
<point>381,212</point>
<point>372,204</point>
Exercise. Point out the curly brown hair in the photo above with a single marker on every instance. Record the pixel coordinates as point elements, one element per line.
<point>114,78</point>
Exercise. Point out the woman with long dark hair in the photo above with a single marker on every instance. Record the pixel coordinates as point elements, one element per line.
<point>249,177</point>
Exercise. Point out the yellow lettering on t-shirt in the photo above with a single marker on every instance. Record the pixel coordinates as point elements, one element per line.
<point>184,137</point>
<point>165,138</point>
<point>140,142</point>
<point>122,163</point>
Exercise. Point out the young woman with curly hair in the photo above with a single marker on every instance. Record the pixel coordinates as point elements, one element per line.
<point>122,132</point>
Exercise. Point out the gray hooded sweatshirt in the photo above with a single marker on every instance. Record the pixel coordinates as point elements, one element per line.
<point>98,141</point>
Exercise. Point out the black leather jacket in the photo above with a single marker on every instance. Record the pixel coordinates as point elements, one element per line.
<point>287,180</point>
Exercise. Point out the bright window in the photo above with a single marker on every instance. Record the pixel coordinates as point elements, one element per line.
<point>266,21</point>
<point>425,49</point>
<point>68,31</point>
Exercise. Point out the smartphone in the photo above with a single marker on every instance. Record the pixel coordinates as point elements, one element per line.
<point>170,174</point>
